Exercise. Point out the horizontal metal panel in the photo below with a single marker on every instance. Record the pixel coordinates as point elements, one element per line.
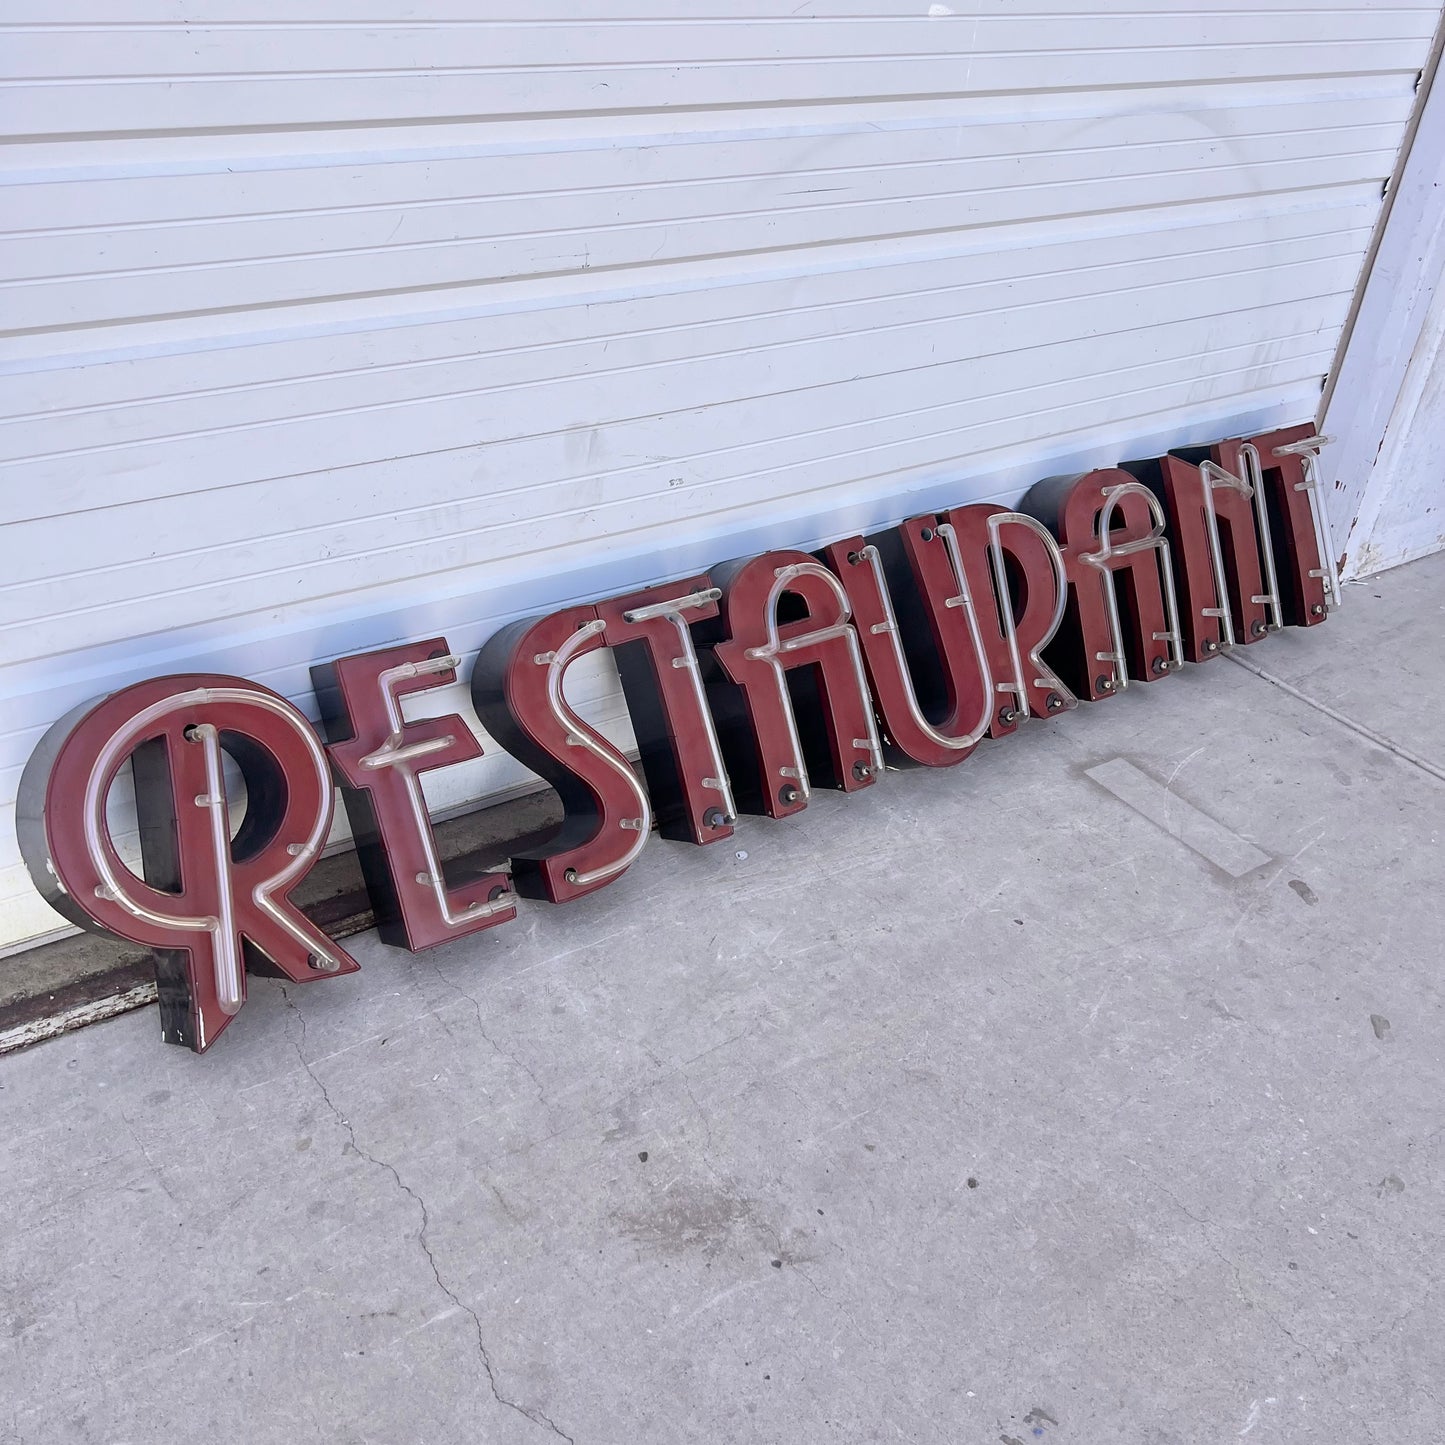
<point>604,354</point>
<point>586,52</point>
<point>326,331</point>
<point>1096,53</point>
<point>799,193</point>
<point>215,545</point>
<point>527,523</point>
<point>142,381</point>
<point>314,459</point>
<point>332,15</point>
<point>216,196</point>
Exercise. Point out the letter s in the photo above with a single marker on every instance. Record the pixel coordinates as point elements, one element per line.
<point>517,689</point>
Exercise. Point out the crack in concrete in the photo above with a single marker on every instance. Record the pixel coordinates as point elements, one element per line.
<point>155,1169</point>
<point>1204,1227</point>
<point>482,1029</point>
<point>528,1412</point>
<point>706,1122</point>
<point>1390,1326</point>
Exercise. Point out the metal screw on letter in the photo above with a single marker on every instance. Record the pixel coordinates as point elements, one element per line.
<point>1104,684</point>
<point>1053,702</point>
<point>1258,628</point>
<point>715,818</point>
<point>1161,666</point>
<point>1210,645</point>
<point>862,772</point>
<point>854,558</point>
<point>788,796</point>
<point>927,534</point>
<point>1008,716</point>
<point>1318,610</point>
<point>570,875</point>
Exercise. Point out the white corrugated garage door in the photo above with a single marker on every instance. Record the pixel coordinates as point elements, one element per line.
<point>331,325</point>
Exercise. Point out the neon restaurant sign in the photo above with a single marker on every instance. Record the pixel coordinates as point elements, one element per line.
<point>748,686</point>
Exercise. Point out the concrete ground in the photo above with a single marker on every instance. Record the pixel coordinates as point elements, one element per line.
<point>984,1107</point>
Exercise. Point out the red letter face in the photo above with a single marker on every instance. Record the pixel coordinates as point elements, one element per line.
<point>1013,561</point>
<point>1309,586</point>
<point>379,757</point>
<point>686,780</point>
<point>922,640</point>
<point>1216,516</point>
<point>210,905</point>
<point>789,641</point>
<point>1122,620</point>
<point>517,688</point>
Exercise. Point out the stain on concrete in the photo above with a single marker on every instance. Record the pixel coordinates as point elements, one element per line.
<point>689,1218</point>
<point>1304,890</point>
<point>1381,1026</point>
<point>1214,1005</point>
<point>624,1123</point>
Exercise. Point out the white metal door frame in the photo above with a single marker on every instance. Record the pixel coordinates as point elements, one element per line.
<point>1402,273</point>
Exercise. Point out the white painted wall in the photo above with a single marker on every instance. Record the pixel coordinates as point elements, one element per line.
<point>332,325</point>
<point>1385,472</point>
<point>1402,513</point>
